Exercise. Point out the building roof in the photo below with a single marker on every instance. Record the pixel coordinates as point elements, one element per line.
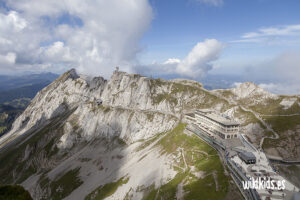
<point>218,118</point>
<point>296,196</point>
<point>248,155</point>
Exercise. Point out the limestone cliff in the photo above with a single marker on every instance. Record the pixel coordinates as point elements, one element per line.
<point>66,136</point>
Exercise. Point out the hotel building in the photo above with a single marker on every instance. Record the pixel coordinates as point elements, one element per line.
<point>216,124</point>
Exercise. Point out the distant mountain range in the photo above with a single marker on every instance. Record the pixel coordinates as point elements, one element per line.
<point>12,82</point>
<point>15,87</point>
<point>15,94</point>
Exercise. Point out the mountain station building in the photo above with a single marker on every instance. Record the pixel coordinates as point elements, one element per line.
<point>247,157</point>
<point>217,124</point>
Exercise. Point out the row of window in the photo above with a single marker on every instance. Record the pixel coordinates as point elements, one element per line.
<point>217,126</point>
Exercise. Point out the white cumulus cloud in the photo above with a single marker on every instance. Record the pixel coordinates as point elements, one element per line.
<point>93,36</point>
<point>198,61</point>
<point>11,21</point>
<point>172,61</point>
<point>9,58</point>
<point>195,65</point>
<point>279,75</point>
<point>211,2</point>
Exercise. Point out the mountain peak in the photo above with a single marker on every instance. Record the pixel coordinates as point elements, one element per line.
<point>69,74</point>
<point>249,89</point>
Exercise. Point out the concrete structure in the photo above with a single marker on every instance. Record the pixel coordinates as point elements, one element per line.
<point>99,101</point>
<point>296,196</point>
<point>240,171</point>
<point>247,157</point>
<point>217,124</point>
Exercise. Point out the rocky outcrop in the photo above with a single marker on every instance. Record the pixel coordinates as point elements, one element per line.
<point>127,110</point>
<point>106,130</point>
<point>137,106</point>
<point>251,90</point>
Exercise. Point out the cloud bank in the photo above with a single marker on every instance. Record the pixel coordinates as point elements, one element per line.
<point>279,75</point>
<point>276,35</point>
<point>274,31</point>
<point>195,65</point>
<point>93,36</point>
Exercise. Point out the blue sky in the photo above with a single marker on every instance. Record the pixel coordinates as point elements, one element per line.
<point>179,25</point>
<point>258,40</point>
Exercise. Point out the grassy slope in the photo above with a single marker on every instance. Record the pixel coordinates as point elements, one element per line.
<point>106,190</point>
<point>64,185</point>
<point>291,173</point>
<point>12,167</point>
<point>281,124</point>
<point>7,115</point>
<point>199,155</point>
<point>14,192</point>
<point>176,91</point>
<point>273,107</point>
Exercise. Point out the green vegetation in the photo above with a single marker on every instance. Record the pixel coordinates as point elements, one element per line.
<point>226,93</point>
<point>157,99</point>
<point>106,190</point>
<point>248,117</point>
<point>207,100</point>
<point>7,116</point>
<point>149,141</point>
<point>64,185</point>
<point>26,171</point>
<point>179,87</point>
<point>2,129</point>
<point>119,141</point>
<point>282,123</point>
<point>291,172</point>
<point>180,90</point>
<point>176,138</point>
<point>51,149</point>
<point>167,191</point>
<point>150,116</point>
<point>137,76</point>
<point>14,192</point>
<point>20,103</point>
<point>155,83</point>
<point>270,143</point>
<point>130,117</point>
<point>11,157</point>
<point>44,181</point>
<point>78,82</point>
<point>213,185</point>
<point>133,85</point>
<point>95,107</point>
<point>269,133</point>
<point>106,109</point>
<point>273,107</point>
<point>205,188</point>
